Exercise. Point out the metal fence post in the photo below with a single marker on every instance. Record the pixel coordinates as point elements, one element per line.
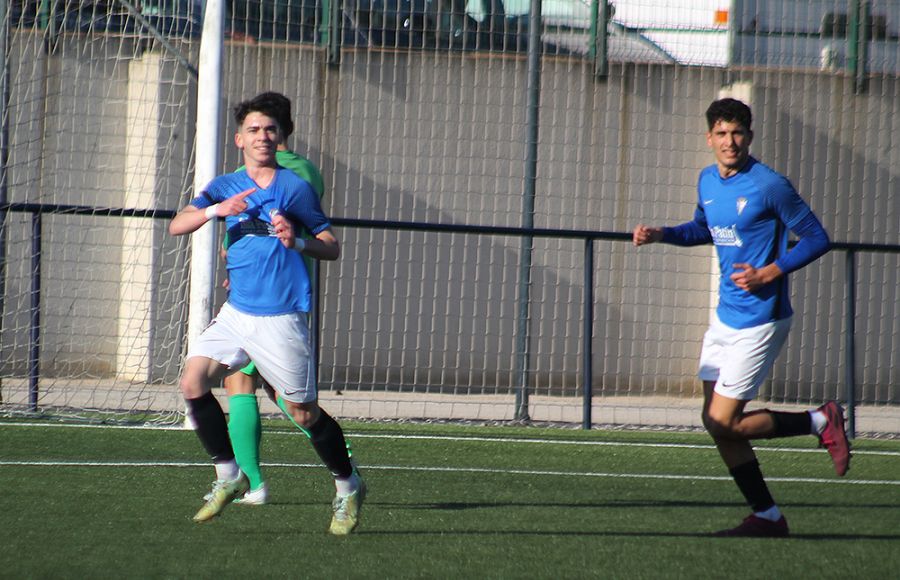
<point>34,352</point>
<point>588,329</point>
<point>315,320</point>
<point>531,155</point>
<point>850,344</point>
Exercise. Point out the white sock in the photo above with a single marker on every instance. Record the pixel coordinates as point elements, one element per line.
<point>347,486</point>
<point>227,470</point>
<point>819,421</point>
<point>773,514</point>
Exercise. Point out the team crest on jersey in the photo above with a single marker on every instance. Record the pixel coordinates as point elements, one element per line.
<point>741,204</point>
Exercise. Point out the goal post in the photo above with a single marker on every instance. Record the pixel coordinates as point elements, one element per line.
<point>207,166</point>
<point>209,144</point>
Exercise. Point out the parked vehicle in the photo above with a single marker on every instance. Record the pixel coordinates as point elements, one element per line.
<point>456,25</point>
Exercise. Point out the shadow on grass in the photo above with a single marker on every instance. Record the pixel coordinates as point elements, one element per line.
<point>623,534</point>
<point>458,506</point>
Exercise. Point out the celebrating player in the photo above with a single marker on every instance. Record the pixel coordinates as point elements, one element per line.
<point>746,209</point>
<point>265,317</point>
<point>244,425</point>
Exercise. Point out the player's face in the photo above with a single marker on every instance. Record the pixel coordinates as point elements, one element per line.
<point>730,143</point>
<point>258,138</point>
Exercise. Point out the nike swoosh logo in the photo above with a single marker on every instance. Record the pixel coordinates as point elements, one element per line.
<point>707,202</point>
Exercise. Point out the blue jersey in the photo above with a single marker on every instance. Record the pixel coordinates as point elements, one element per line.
<point>265,278</point>
<point>748,216</point>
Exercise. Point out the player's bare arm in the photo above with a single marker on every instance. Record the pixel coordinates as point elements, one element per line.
<point>325,246</point>
<point>190,219</point>
<point>646,235</point>
<point>751,279</point>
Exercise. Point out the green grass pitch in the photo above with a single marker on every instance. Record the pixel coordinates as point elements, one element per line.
<point>444,502</point>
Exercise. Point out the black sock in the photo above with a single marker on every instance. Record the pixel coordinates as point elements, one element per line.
<point>328,440</point>
<point>211,427</point>
<point>749,480</point>
<point>791,424</point>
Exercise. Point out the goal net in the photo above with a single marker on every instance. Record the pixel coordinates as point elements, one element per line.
<point>436,113</point>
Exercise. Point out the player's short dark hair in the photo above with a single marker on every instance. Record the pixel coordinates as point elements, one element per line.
<point>730,111</point>
<point>271,104</point>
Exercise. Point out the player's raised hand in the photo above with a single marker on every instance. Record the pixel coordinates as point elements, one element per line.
<point>190,218</point>
<point>645,235</point>
<point>235,204</point>
<point>284,229</point>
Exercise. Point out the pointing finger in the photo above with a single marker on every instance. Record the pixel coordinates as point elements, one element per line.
<point>242,195</point>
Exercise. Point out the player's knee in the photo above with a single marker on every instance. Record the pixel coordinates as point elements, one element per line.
<point>304,414</point>
<point>197,377</point>
<point>708,423</point>
<point>719,427</point>
<point>191,386</point>
<point>239,384</point>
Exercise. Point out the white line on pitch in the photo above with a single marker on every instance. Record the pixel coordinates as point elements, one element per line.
<point>469,438</point>
<point>454,470</point>
<point>595,443</point>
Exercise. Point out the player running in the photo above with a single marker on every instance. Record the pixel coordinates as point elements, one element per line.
<point>746,209</point>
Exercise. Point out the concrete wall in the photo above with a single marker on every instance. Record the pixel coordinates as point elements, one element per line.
<point>440,138</point>
<point>98,125</point>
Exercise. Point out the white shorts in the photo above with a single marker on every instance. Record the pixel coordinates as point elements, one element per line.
<point>739,360</point>
<point>279,345</point>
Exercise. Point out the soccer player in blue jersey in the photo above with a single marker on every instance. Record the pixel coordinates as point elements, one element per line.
<point>244,424</point>
<point>746,209</point>
<point>265,317</point>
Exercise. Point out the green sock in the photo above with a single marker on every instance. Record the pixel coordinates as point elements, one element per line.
<point>245,430</point>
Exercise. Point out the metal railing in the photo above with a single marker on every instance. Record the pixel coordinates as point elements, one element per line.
<point>589,237</point>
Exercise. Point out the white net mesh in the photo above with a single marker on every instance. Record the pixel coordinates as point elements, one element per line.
<point>423,116</point>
